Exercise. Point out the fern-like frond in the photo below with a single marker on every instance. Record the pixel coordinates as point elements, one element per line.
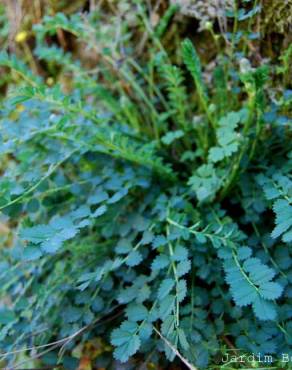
<point>250,280</point>
<point>19,67</point>
<point>176,93</point>
<point>279,189</point>
<point>193,63</point>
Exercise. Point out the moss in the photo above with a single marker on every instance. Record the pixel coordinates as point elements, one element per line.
<point>277,16</point>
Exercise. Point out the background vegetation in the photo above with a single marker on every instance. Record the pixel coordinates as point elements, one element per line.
<point>146,188</point>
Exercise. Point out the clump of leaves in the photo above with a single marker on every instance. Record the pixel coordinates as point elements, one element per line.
<point>145,211</point>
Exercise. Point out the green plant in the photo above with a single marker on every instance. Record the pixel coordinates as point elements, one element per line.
<point>143,209</point>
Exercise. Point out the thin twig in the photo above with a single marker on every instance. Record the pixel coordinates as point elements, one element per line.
<point>185,361</point>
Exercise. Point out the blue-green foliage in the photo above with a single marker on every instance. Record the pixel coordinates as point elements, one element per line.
<point>132,221</point>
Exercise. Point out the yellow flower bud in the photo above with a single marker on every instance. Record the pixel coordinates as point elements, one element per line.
<point>20,107</point>
<point>50,81</point>
<point>208,25</point>
<point>21,36</point>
